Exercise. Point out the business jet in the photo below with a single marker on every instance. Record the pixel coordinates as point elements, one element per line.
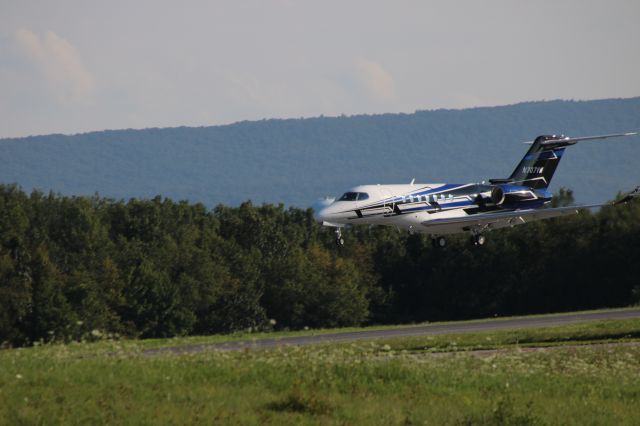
<point>441,209</point>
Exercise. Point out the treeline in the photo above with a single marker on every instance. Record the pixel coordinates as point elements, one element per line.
<point>72,266</point>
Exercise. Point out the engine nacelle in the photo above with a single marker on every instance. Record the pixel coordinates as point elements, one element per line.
<point>510,194</point>
<point>497,195</point>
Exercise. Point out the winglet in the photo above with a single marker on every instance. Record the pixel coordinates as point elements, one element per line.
<point>628,196</point>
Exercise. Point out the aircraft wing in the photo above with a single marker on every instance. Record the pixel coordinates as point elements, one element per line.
<point>629,196</point>
<point>502,219</point>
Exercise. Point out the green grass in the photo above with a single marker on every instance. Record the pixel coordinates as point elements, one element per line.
<point>393,381</point>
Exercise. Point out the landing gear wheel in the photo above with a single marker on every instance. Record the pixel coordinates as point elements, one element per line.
<point>478,240</point>
<point>439,242</point>
<point>339,239</point>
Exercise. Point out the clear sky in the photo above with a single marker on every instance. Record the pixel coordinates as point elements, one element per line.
<point>75,66</point>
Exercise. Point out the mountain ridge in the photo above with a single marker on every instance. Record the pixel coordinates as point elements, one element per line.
<point>298,160</point>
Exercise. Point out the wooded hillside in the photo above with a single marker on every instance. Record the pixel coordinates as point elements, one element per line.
<point>298,161</point>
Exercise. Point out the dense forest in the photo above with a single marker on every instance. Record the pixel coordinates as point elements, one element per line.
<point>297,161</point>
<point>76,267</point>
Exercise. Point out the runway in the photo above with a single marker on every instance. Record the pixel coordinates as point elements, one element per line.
<point>408,331</point>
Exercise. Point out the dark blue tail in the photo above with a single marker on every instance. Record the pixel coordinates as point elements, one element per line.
<point>539,164</point>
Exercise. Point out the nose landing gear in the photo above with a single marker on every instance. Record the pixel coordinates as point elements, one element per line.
<point>339,239</point>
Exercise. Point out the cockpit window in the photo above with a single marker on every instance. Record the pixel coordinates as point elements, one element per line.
<point>349,196</point>
<point>353,196</point>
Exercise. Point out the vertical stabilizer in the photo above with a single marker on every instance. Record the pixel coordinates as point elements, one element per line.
<point>539,164</point>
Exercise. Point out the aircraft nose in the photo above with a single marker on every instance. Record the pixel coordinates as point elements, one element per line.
<point>319,215</point>
<point>321,208</point>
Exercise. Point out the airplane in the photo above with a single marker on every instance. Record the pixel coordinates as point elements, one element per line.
<point>442,209</point>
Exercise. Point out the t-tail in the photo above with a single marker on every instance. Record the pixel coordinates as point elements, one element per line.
<point>541,161</point>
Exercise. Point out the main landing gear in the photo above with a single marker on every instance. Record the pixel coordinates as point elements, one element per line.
<point>441,242</point>
<point>438,242</point>
<point>339,239</point>
<point>478,239</point>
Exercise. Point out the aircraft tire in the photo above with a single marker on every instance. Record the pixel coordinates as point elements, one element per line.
<point>478,240</point>
<point>439,242</point>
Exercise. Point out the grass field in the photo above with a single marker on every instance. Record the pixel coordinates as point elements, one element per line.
<point>566,379</point>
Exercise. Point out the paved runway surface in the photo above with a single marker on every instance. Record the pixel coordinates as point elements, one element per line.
<point>420,330</point>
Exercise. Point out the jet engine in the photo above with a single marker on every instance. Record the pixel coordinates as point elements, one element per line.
<point>510,194</point>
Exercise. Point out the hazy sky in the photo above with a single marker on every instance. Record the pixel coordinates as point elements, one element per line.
<point>76,66</point>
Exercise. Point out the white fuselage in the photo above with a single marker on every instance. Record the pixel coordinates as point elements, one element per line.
<point>409,206</point>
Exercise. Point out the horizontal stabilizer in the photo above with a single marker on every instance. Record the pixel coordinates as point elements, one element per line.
<point>571,141</point>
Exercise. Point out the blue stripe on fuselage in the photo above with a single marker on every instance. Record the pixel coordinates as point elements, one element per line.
<point>442,206</point>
